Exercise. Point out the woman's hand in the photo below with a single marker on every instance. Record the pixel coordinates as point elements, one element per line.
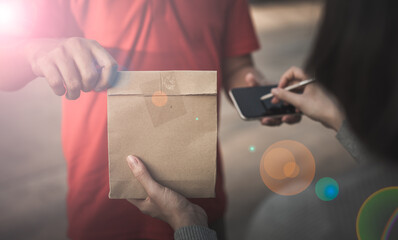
<point>314,101</point>
<point>163,203</point>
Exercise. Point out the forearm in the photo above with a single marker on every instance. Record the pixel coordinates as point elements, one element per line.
<point>235,71</point>
<point>15,62</point>
<point>238,78</point>
<point>14,67</point>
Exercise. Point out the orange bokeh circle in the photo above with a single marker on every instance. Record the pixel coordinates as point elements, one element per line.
<point>159,98</point>
<point>274,161</point>
<point>291,169</point>
<point>287,167</point>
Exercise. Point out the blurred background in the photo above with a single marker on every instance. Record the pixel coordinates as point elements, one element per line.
<point>33,172</point>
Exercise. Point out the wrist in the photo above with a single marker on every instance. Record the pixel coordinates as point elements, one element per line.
<point>194,215</point>
<point>36,48</point>
<point>336,119</point>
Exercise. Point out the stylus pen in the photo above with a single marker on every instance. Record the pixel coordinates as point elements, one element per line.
<point>300,84</point>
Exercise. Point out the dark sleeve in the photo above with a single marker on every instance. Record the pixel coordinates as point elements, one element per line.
<point>351,143</point>
<point>240,37</point>
<point>195,232</point>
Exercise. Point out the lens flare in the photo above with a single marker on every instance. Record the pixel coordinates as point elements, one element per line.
<point>327,189</point>
<point>7,16</point>
<point>287,167</point>
<point>377,217</point>
<point>15,18</point>
<point>277,163</point>
<point>388,229</point>
<point>159,98</point>
<point>291,169</point>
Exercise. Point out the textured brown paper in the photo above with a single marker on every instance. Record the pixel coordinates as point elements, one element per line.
<point>176,139</point>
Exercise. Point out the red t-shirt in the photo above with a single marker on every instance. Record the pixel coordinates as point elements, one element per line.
<point>140,35</point>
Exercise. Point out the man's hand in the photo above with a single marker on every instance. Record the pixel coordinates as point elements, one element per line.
<point>269,121</point>
<point>314,101</point>
<point>162,202</point>
<point>72,65</point>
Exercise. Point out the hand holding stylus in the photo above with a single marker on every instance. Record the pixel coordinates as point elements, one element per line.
<point>289,88</point>
<point>313,102</point>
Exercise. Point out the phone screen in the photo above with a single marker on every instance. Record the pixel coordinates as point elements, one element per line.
<point>247,102</point>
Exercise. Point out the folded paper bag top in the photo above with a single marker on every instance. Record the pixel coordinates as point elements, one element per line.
<point>169,120</point>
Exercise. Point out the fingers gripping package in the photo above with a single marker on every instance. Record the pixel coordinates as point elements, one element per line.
<point>169,120</point>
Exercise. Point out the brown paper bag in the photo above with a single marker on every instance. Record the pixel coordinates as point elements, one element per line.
<point>169,120</point>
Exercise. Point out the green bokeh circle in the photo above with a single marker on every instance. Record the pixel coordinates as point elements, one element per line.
<point>375,213</point>
<point>322,186</point>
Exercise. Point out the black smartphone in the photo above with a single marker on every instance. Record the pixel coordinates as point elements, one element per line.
<point>247,102</point>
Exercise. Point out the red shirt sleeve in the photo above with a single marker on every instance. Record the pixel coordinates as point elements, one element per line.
<point>240,37</point>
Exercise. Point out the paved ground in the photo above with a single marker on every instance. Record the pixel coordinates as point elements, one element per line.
<point>33,176</point>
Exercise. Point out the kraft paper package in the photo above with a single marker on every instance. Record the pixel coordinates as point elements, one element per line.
<point>169,120</point>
